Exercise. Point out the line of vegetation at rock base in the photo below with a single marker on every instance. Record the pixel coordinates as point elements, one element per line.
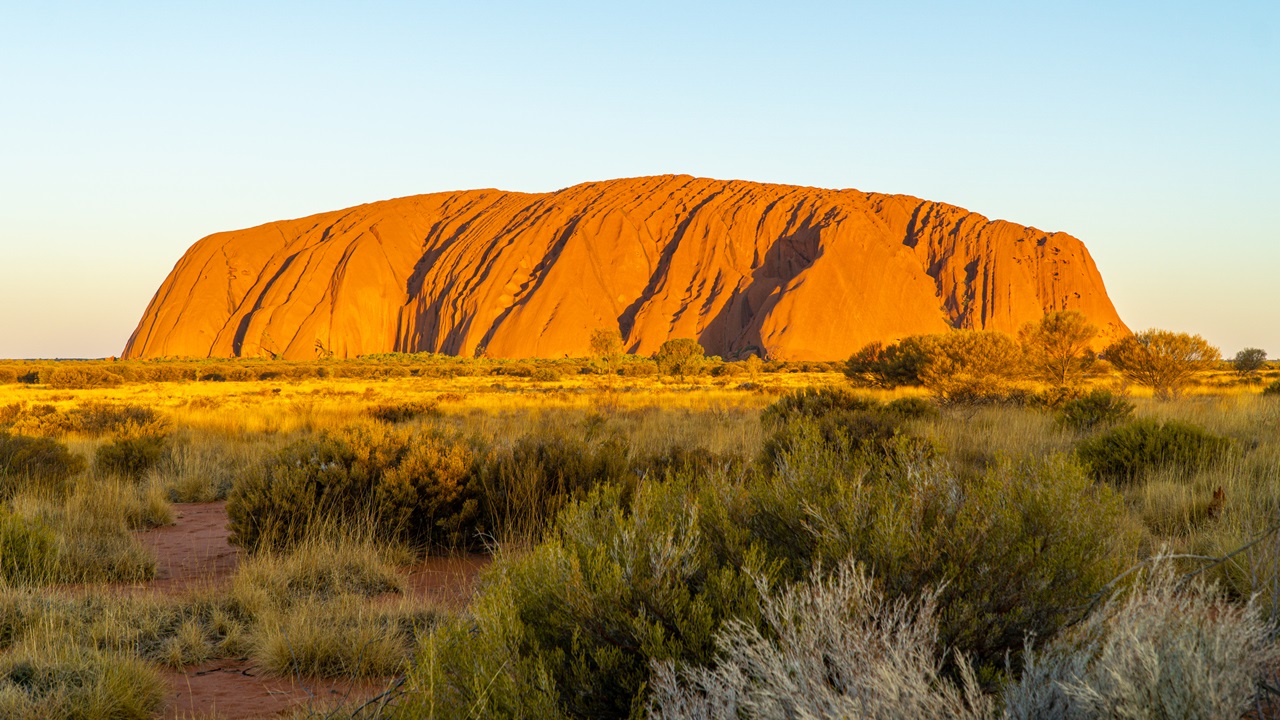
<point>1058,352</point>
<point>839,553</point>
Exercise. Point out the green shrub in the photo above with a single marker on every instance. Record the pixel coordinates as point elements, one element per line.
<point>815,402</point>
<point>99,418</point>
<point>902,363</point>
<point>1099,408</point>
<point>1163,360</point>
<point>130,457</point>
<point>414,487</point>
<point>912,408</point>
<point>1273,389</point>
<point>521,487</point>
<point>1041,532</point>
<point>545,374</point>
<point>685,460</point>
<point>637,367</point>
<point>41,460</point>
<point>403,412</point>
<point>28,550</point>
<point>76,378</point>
<point>976,366</point>
<point>573,626</point>
<point>680,357</point>
<point>1249,361</point>
<point>1122,455</point>
<point>840,417</point>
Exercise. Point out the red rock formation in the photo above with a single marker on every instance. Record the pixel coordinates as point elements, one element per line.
<point>791,272</point>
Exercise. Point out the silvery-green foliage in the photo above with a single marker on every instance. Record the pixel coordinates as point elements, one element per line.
<point>832,648</point>
<point>1165,649</point>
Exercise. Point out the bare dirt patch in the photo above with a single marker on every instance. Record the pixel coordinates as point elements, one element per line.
<point>235,689</point>
<point>193,552</point>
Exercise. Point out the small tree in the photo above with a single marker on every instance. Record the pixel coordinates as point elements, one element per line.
<point>1163,360</point>
<point>607,345</point>
<point>1057,349</point>
<point>680,357</point>
<point>974,365</point>
<point>1249,361</point>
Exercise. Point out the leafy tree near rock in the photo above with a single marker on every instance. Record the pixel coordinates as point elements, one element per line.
<point>1058,350</point>
<point>606,345</point>
<point>1249,361</point>
<point>1164,360</point>
<point>901,363</point>
<point>680,357</point>
<point>974,365</point>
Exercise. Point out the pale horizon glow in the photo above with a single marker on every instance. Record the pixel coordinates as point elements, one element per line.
<point>1147,130</point>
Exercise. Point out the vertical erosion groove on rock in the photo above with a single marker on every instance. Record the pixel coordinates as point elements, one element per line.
<point>788,272</point>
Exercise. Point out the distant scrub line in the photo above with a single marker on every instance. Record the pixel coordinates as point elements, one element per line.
<point>81,374</point>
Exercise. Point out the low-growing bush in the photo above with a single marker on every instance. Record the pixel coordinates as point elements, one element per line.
<point>403,412</point>
<point>976,367</point>
<point>75,378</point>
<point>840,417</point>
<point>130,456</point>
<point>413,486</point>
<point>24,460</point>
<point>1125,453</point>
<point>1100,408</point>
<point>830,648</point>
<point>900,363</point>
<point>520,488</point>
<point>815,402</point>
<point>1272,390</point>
<point>625,580</point>
<point>100,418</point>
<point>1165,649</point>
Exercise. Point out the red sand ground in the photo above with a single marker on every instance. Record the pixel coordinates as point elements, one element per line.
<point>194,553</point>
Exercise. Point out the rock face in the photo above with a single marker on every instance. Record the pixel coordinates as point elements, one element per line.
<point>782,271</point>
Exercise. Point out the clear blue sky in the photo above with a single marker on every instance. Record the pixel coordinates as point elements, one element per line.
<point>130,130</point>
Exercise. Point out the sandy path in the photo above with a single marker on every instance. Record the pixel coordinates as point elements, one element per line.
<point>195,553</point>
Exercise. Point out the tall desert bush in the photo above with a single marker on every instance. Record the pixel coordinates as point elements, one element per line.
<point>1165,361</point>
<point>975,366</point>
<point>1058,349</point>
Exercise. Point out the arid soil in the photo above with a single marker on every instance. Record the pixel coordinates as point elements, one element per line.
<point>792,273</point>
<point>194,553</point>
